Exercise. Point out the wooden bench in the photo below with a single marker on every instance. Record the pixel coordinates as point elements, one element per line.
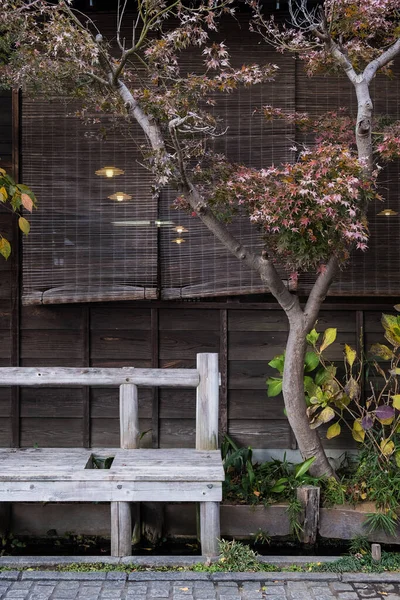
<point>135,475</point>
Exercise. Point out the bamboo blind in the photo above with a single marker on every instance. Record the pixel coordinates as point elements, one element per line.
<point>86,247</point>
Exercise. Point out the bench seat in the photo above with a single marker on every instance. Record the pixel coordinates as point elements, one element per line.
<point>67,474</point>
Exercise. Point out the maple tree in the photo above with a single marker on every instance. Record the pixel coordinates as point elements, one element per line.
<point>312,212</point>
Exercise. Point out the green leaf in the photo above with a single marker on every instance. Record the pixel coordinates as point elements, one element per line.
<point>278,362</point>
<point>396,401</point>
<point>302,469</point>
<point>309,386</point>
<point>311,361</point>
<point>329,338</point>
<point>24,225</point>
<point>312,337</point>
<point>278,488</point>
<point>395,371</point>
<point>322,376</point>
<point>274,386</point>
<point>333,431</point>
<point>5,248</point>
<point>397,458</point>
<point>350,354</point>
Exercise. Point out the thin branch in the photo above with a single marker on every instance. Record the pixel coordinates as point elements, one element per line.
<point>318,292</point>
<point>382,60</point>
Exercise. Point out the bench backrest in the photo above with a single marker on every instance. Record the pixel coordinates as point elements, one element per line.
<point>205,378</point>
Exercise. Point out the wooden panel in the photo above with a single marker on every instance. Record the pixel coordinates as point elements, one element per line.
<point>250,375</point>
<point>177,404</point>
<point>5,432</point>
<point>57,433</point>
<point>127,344</point>
<point>5,402</point>
<point>5,343</point>
<point>177,344</point>
<point>5,314</point>
<point>51,402</point>
<point>177,433</point>
<point>248,320</point>
<point>123,318</point>
<point>182,319</point>
<point>39,344</point>
<point>105,432</point>
<point>104,402</point>
<point>255,345</point>
<point>66,316</point>
<point>261,434</point>
<point>373,320</point>
<point>254,404</point>
<point>127,362</point>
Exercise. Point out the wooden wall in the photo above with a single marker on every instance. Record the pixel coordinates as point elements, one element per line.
<point>155,334</point>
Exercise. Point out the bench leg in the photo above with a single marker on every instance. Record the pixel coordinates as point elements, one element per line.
<point>209,528</point>
<point>121,529</point>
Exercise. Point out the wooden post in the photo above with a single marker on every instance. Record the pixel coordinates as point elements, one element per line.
<point>376,552</point>
<point>209,528</point>
<point>207,439</point>
<point>308,495</point>
<point>121,529</point>
<point>121,520</point>
<point>129,416</point>
<point>207,402</point>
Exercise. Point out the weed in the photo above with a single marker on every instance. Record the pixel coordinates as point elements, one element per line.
<point>379,521</point>
<point>294,511</point>
<point>238,557</point>
<point>359,544</point>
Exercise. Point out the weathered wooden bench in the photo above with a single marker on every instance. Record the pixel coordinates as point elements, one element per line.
<point>135,475</point>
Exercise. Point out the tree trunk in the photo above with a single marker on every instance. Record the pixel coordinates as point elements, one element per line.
<point>364,123</point>
<point>293,393</point>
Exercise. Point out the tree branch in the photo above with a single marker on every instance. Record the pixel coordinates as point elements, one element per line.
<point>318,293</point>
<point>382,60</point>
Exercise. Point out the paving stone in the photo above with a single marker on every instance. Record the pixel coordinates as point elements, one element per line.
<point>348,596</point>
<point>338,586</point>
<point>270,590</point>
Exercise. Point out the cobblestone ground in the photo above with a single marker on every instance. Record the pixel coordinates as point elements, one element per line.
<point>116,586</point>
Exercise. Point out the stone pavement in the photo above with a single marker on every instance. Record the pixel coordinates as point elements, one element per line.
<point>50,585</point>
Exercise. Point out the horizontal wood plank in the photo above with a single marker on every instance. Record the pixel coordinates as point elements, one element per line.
<point>96,376</point>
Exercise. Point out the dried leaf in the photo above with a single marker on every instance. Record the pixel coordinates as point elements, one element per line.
<point>367,422</point>
<point>396,401</point>
<point>326,415</point>
<point>351,354</point>
<point>381,351</point>
<point>387,447</point>
<point>358,432</point>
<point>27,202</point>
<point>352,389</point>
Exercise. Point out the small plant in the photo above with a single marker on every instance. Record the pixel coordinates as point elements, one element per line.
<point>9,543</point>
<point>262,537</point>
<point>294,511</point>
<point>380,521</point>
<point>359,544</point>
<point>374,411</point>
<point>238,557</point>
